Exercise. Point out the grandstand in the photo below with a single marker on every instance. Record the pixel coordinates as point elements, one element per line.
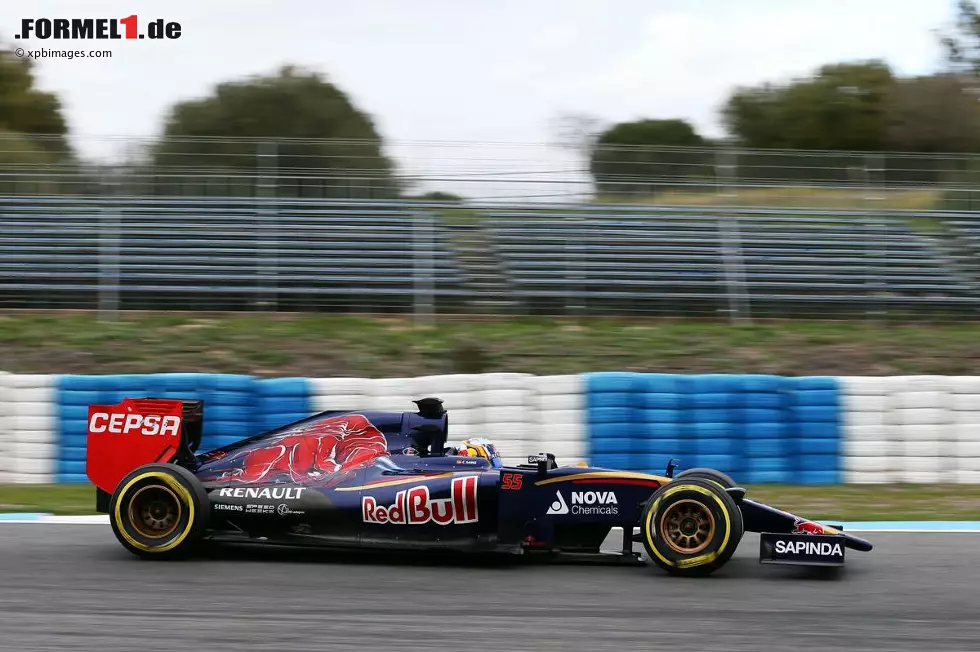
<point>694,260</point>
<point>964,242</point>
<point>227,253</point>
<point>302,254</point>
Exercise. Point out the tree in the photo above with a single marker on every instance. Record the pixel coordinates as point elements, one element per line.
<point>26,110</point>
<point>640,157</point>
<point>935,113</point>
<point>576,132</point>
<point>438,195</point>
<point>842,107</point>
<point>294,126</point>
<point>962,46</point>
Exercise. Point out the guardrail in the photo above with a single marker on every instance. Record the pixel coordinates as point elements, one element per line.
<point>761,429</point>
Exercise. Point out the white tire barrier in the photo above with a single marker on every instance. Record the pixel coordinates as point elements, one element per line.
<point>901,429</point>
<point>28,417</point>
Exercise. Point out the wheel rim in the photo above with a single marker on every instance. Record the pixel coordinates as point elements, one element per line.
<point>687,526</point>
<point>154,511</point>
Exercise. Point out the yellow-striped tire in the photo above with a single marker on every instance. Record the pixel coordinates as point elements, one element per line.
<point>159,511</point>
<point>691,527</point>
<point>712,475</point>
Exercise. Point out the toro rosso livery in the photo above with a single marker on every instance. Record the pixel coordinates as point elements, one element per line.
<point>372,479</point>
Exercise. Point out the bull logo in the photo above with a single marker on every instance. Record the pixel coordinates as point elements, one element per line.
<point>803,526</point>
<point>317,452</point>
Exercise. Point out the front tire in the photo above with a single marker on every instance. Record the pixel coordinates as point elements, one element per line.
<point>691,527</point>
<point>708,474</point>
<point>159,511</point>
<point>712,475</point>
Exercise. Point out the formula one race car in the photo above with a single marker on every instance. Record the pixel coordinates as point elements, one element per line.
<point>371,479</point>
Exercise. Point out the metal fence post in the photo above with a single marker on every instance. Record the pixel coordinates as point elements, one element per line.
<point>733,269</point>
<point>733,264</point>
<point>423,240</point>
<point>874,165</point>
<point>726,173</point>
<point>109,253</point>
<point>267,231</point>
<point>574,243</point>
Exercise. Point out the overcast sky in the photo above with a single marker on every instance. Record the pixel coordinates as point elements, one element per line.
<point>476,70</point>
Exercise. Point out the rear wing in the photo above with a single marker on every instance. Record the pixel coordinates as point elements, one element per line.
<point>140,431</point>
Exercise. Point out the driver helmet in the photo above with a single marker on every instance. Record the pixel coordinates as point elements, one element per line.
<point>478,447</point>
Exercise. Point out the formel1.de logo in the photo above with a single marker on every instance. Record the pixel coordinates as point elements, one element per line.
<point>130,27</point>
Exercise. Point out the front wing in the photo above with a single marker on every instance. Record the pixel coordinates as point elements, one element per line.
<point>788,539</point>
<point>793,540</point>
<point>802,549</point>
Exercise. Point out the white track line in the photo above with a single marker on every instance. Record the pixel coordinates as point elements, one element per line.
<point>48,519</point>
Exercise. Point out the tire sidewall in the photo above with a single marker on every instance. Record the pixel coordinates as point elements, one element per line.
<point>728,527</point>
<point>192,522</point>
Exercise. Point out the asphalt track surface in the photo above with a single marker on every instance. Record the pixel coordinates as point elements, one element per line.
<point>73,587</point>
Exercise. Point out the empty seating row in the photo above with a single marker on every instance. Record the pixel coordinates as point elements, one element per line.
<point>660,254</point>
<point>142,247</point>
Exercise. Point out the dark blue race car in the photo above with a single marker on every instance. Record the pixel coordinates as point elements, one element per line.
<point>371,479</point>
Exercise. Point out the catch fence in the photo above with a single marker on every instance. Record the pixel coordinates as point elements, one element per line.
<point>483,172</point>
<point>478,228</point>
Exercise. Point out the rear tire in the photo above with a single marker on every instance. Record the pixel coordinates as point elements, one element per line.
<point>691,527</point>
<point>160,511</point>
